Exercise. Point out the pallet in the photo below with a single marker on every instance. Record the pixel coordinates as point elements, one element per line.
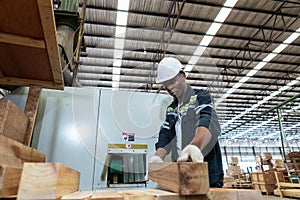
<point>295,193</point>
<point>264,181</point>
<point>287,189</point>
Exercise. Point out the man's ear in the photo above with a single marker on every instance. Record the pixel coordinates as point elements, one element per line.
<point>183,74</point>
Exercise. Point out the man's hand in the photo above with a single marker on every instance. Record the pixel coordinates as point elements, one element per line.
<point>155,159</point>
<point>190,153</point>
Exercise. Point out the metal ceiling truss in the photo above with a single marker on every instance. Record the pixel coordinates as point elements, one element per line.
<point>159,28</point>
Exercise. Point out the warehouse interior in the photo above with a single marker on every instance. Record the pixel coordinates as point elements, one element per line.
<point>84,73</point>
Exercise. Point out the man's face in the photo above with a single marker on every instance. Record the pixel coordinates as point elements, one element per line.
<point>175,86</point>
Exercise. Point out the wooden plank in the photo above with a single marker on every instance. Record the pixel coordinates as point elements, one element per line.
<point>214,194</point>
<point>290,185</point>
<point>159,194</point>
<point>20,17</point>
<point>31,109</point>
<point>136,195</point>
<point>79,195</point>
<point>22,40</point>
<point>47,181</point>
<point>14,154</point>
<point>185,178</point>
<point>234,194</point>
<point>25,63</point>
<point>245,194</point>
<point>32,34</point>
<point>288,192</point>
<point>13,121</point>
<point>107,195</point>
<point>28,82</point>
<point>167,195</point>
<point>48,24</point>
<point>163,194</point>
<point>9,181</point>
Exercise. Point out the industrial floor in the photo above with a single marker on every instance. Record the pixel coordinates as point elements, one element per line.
<point>272,197</point>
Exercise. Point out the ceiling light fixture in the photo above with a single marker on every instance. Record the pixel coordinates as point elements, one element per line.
<point>121,23</point>
<point>260,65</point>
<point>253,128</point>
<point>211,32</point>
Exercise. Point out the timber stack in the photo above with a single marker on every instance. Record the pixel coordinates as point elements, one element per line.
<point>264,179</point>
<point>23,171</point>
<point>188,180</point>
<point>236,177</point>
<point>13,153</point>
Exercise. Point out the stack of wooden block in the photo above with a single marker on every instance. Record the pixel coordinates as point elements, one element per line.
<point>236,177</point>
<point>23,171</point>
<point>294,157</point>
<point>264,179</point>
<point>232,173</point>
<point>191,181</point>
<point>13,153</point>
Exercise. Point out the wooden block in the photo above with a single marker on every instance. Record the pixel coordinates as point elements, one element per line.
<point>167,195</point>
<point>295,193</point>
<point>234,160</point>
<point>228,179</point>
<point>9,181</point>
<point>47,181</point>
<point>79,195</point>
<point>107,195</point>
<point>244,194</point>
<point>267,156</point>
<point>234,170</point>
<point>14,154</point>
<point>13,121</point>
<point>136,195</point>
<point>295,154</point>
<point>279,163</point>
<point>185,178</point>
<point>162,194</point>
<point>30,111</point>
<point>234,194</point>
<point>213,194</point>
<point>159,194</point>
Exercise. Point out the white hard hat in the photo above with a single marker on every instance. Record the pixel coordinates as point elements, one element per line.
<point>167,69</point>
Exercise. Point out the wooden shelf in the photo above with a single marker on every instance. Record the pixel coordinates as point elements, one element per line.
<point>29,52</point>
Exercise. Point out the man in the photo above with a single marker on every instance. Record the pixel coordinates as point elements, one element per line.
<point>191,128</point>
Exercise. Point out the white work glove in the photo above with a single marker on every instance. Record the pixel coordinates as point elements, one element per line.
<point>190,153</point>
<point>155,159</point>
